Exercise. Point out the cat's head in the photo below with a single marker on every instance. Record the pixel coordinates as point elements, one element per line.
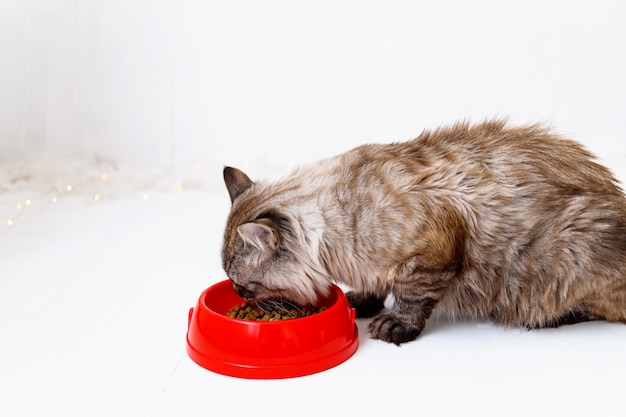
<point>271,244</point>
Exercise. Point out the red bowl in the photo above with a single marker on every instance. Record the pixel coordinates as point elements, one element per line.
<point>269,350</point>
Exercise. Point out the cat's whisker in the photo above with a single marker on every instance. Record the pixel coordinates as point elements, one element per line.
<point>281,306</point>
<point>293,306</point>
<point>264,306</point>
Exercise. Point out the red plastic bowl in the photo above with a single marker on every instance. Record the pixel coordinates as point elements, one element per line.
<point>269,350</point>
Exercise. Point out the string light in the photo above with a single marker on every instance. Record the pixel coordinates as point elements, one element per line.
<point>25,207</point>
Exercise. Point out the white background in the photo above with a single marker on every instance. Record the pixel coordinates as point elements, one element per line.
<point>128,100</point>
<point>266,84</point>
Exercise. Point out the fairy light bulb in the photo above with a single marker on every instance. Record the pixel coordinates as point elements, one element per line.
<point>23,207</point>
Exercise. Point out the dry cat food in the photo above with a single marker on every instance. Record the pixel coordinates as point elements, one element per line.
<point>272,311</point>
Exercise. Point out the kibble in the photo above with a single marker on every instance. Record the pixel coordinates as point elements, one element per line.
<point>272,311</point>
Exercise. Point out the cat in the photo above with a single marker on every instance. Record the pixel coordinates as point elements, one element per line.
<point>484,221</point>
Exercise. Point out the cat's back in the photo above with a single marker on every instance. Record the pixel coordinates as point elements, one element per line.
<point>524,156</point>
<point>487,163</point>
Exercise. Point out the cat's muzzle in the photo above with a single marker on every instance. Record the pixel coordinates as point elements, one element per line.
<point>242,291</point>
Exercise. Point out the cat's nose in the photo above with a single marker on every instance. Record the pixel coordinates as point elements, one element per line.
<point>241,291</point>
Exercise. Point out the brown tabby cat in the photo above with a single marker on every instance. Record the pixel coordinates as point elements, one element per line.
<point>485,221</point>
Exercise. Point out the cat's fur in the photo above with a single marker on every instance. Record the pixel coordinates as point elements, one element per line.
<point>483,221</point>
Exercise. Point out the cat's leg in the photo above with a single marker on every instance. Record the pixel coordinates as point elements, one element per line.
<point>414,302</point>
<point>611,304</point>
<point>604,304</point>
<point>366,304</point>
<point>419,282</point>
<point>570,317</point>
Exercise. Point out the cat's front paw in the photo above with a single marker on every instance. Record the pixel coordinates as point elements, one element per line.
<point>390,328</point>
<point>366,305</point>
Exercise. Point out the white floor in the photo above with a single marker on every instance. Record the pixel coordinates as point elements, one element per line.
<point>94,297</point>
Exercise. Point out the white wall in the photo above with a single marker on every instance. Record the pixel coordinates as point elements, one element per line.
<point>268,83</point>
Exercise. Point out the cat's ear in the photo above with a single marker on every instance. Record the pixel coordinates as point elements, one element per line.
<point>260,235</point>
<point>236,182</point>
